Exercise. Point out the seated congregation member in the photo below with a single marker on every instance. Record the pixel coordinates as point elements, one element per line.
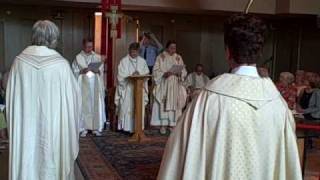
<point>300,82</point>
<point>311,77</point>
<point>43,110</point>
<point>132,64</point>
<point>239,127</point>
<point>88,69</point>
<point>310,102</point>
<point>305,95</point>
<point>169,93</point>
<point>287,88</point>
<point>196,81</point>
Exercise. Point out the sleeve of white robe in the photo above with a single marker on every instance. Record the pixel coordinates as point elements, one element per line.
<point>145,71</point>
<point>70,121</point>
<point>184,71</point>
<point>75,68</point>
<point>188,81</point>
<point>101,71</point>
<point>291,139</point>
<point>157,71</point>
<point>206,79</point>
<point>185,142</point>
<point>122,80</point>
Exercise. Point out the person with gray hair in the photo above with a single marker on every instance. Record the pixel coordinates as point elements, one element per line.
<point>287,89</point>
<point>45,33</point>
<point>43,110</point>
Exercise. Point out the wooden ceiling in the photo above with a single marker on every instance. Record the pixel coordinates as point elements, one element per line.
<point>194,6</point>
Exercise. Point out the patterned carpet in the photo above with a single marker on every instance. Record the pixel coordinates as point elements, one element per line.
<point>112,157</point>
<point>122,159</point>
<point>91,162</point>
<point>133,160</point>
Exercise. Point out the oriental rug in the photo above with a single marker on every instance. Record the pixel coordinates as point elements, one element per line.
<point>112,157</point>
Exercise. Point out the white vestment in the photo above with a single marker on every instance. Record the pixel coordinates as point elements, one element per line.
<point>92,91</point>
<point>238,128</point>
<point>43,109</point>
<point>196,81</point>
<point>124,97</point>
<point>169,93</point>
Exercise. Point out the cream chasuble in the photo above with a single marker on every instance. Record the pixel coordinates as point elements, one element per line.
<point>43,109</point>
<point>124,98</point>
<point>92,91</point>
<point>238,128</point>
<point>169,93</point>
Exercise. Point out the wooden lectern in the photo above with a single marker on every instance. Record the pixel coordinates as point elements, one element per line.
<point>138,83</point>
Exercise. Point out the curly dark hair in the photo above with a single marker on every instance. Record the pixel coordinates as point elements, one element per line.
<point>244,37</point>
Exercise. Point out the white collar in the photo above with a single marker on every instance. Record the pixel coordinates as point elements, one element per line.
<point>132,59</point>
<point>39,51</point>
<point>246,71</point>
<point>167,54</point>
<point>87,54</point>
<point>195,73</point>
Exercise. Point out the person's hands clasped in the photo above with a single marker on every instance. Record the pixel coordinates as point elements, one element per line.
<point>167,74</point>
<point>84,71</point>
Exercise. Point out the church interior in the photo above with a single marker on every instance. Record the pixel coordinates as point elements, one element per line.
<point>292,44</point>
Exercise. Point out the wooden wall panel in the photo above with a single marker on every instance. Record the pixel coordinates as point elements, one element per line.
<point>17,21</point>
<point>200,37</point>
<point>310,49</point>
<point>188,43</point>
<point>2,60</point>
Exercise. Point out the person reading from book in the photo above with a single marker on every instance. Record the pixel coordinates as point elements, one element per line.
<point>130,65</point>
<point>88,69</point>
<point>170,95</point>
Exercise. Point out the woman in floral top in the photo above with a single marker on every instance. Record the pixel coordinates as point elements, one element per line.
<point>287,89</point>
